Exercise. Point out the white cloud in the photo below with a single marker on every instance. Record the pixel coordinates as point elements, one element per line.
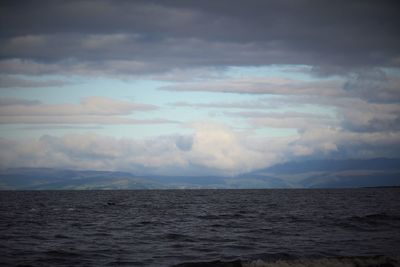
<point>88,106</point>
<point>212,148</point>
<point>293,120</point>
<point>231,105</point>
<point>218,147</point>
<point>336,141</point>
<point>263,85</point>
<point>79,120</point>
<point>91,110</point>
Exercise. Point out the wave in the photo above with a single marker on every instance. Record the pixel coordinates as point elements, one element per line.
<point>360,261</point>
<point>376,217</point>
<point>370,222</point>
<point>378,261</point>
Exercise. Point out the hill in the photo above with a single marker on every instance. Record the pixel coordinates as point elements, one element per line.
<point>305,174</point>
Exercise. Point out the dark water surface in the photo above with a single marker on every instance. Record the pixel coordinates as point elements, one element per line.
<point>164,228</point>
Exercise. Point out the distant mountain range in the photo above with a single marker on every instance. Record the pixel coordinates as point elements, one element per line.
<point>305,174</point>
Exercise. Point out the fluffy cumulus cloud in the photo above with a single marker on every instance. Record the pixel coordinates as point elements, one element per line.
<point>218,147</point>
<point>213,148</point>
<point>341,143</point>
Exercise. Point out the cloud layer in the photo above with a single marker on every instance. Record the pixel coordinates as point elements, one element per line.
<point>85,36</point>
<point>211,149</point>
<point>323,77</point>
<point>91,110</point>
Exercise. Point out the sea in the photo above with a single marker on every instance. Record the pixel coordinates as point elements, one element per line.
<point>277,227</point>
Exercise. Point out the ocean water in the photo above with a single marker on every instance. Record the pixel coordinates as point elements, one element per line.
<point>338,227</point>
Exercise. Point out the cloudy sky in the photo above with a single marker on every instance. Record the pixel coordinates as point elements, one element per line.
<point>197,87</point>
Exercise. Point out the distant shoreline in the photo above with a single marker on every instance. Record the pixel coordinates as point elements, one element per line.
<point>200,189</point>
<point>388,186</point>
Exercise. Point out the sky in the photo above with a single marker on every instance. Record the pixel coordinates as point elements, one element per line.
<point>197,87</point>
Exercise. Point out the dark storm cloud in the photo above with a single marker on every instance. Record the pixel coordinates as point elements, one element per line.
<point>374,85</point>
<point>174,34</point>
<point>14,82</point>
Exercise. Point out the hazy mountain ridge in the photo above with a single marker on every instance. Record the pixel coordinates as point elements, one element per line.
<point>44,178</point>
<point>334,165</point>
<point>306,174</point>
<point>335,173</point>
